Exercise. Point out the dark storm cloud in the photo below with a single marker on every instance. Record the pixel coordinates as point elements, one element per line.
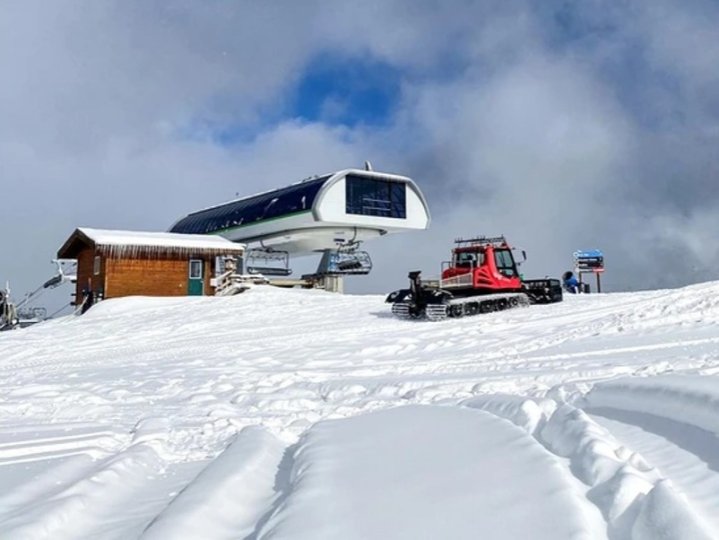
<point>564,125</point>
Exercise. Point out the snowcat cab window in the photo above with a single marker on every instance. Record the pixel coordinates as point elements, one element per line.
<point>467,259</point>
<point>505,263</point>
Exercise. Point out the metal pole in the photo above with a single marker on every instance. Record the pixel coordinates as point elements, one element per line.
<point>599,282</point>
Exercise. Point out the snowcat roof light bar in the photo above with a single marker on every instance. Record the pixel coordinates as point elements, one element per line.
<point>482,241</point>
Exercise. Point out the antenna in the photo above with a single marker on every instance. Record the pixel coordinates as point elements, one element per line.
<point>367,166</point>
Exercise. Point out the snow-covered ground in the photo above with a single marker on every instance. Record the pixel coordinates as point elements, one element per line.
<point>301,414</point>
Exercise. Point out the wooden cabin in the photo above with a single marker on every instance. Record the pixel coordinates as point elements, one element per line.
<point>112,264</point>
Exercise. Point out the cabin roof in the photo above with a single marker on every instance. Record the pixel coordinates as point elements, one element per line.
<point>139,242</point>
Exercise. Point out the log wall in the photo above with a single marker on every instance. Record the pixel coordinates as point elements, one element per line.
<point>152,277</point>
<point>139,276</point>
<point>85,275</point>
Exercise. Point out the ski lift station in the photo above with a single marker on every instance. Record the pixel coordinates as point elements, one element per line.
<point>330,214</point>
<point>223,249</point>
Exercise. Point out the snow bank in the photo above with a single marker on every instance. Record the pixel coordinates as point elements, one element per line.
<point>161,385</point>
<point>665,514</point>
<point>633,496</point>
<point>527,413</point>
<point>618,477</point>
<point>427,472</point>
<point>635,499</point>
<point>228,496</point>
<point>80,505</point>
<point>684,398</point>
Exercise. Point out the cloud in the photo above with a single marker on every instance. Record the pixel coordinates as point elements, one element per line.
<point>561,125</point>
<point>532,154</point>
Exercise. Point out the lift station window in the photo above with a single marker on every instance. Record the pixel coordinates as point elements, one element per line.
<point>272,205</point>
<point>372,197</point>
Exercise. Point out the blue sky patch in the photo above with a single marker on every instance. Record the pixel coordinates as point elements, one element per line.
<point>346,91</point>
<point>334,90</point>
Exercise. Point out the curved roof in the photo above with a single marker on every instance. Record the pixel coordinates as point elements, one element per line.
<point>293,199</point>
<point>298,198</point>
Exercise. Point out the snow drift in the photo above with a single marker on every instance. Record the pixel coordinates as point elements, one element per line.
<point>290,414</point>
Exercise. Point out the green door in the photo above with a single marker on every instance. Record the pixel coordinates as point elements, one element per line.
<point>196,281</point>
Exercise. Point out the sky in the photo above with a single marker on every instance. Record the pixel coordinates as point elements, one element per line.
<point>563,125</point>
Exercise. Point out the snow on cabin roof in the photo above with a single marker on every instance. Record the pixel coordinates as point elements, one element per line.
<point>136,241</point>
<point>107,237</point>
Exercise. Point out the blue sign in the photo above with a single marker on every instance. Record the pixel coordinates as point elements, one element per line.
<point>588,254</point>
<point>589,260</point>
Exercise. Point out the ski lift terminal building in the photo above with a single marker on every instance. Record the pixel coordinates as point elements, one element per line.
<point>318,214</point>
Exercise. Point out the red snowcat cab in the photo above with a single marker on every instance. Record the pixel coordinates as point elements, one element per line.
<point>481,277</point>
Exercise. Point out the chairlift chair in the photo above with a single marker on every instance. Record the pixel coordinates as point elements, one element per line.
<point>268,262</point>
<point>346,260</point>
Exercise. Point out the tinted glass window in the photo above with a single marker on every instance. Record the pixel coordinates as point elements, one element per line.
<point>275,204</point>
<point>372,197</point>
<point>468,258</point>
<point>505,263</point>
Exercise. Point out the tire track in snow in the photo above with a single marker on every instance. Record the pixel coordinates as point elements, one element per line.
<point>90,500</point>
<point>58,455</point>
<point>93,444</point>
<point>228,497</point>
<point>635,499</point>
<point>97,346</point>
<point>684,454</point>
<point>96,493</point>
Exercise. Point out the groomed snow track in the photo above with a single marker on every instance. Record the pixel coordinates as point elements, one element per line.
<point>300,414</point>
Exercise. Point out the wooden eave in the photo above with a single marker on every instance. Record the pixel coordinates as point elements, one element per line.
<point>79,240</point>
<point>73,245</point>
<point>133,251</point>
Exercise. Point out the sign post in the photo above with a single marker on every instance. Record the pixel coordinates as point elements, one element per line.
<point>589,262</point>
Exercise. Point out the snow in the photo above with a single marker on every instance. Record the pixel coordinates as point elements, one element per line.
<point>689,399</point>
<point>358,478</point>
<point>229,495</point>
<point>107,237</point>
<point>303,414</point>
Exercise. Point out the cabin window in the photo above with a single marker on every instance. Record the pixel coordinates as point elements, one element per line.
<point>196,269</point>
<point>96,265</point>
<point>505,262</point>
<point>373,197</point>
